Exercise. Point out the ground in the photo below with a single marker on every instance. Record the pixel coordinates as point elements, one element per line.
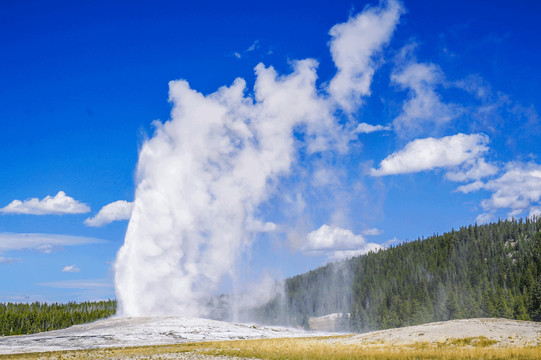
<point>189,338</point>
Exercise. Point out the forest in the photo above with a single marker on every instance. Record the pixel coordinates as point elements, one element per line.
<point>491,270</point>
<point>21,318</point>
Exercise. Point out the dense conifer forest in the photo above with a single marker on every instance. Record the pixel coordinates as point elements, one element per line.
<point>491,270</point>
<point>17,319</point>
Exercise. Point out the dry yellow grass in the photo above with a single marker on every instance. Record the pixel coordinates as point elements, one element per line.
<point>305,348</point>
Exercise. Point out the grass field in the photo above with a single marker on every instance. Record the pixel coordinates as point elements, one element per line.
<point>304,348</point>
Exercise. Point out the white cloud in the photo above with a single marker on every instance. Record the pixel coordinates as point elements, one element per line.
<point>78,284</point>
<point>430,153</point>
<point>6,260</point>
<point>354,46</point>
<point>41,242</point>
<point>71,268</point>
<point>332,237</point>
<point>57,205</point>
<point>336,243</point>
<point>364,128</point>
<point>424,106</point>
<point>115,211</point>
<point>517,188</point>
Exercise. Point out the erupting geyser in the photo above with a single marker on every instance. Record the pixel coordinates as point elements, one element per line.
<point>202,175</point>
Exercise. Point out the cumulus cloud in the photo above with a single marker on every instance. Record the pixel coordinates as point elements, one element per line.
<point>354,47</point>
<point>115,211</point>
<point>517,189</point>
<point>57,205</point>
<point>42,242</point>
<point>336,243</point>
<point>204,173</point>
<point>430,153</point>
<point>71,268</point>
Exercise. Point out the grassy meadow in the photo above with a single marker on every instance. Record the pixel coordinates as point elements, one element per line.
<point>304,348</point>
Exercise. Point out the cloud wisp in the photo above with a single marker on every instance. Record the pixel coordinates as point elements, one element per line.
<point>115,211</point>
<point>364,128</point>
<point>44,243</point>
<point>59,204</point>
<point>7,260</point>
<point>204,173</point>
<point>424,107</point>
<point>91,284</point>
<point>71,268</point>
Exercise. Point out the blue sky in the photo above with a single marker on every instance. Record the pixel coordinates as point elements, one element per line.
<point>444,134</point>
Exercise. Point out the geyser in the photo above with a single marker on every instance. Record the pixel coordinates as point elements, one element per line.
<point>203,174</point>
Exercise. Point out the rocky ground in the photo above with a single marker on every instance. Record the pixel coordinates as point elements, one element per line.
<point>115,338</point>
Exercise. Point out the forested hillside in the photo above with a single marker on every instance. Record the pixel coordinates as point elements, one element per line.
<point>17,319</point>
<point>489,270</point>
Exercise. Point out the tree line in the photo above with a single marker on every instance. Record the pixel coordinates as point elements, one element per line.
<point>28,318</point>
<point>491,270</point>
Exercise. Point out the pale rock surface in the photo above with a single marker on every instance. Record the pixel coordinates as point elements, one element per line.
<point>505,332</point>
<point>119,332</point>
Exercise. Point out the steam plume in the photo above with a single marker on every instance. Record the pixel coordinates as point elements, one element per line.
<point>202,176</point>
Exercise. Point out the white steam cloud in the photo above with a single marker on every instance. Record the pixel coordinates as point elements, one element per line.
<point>202,176</point>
